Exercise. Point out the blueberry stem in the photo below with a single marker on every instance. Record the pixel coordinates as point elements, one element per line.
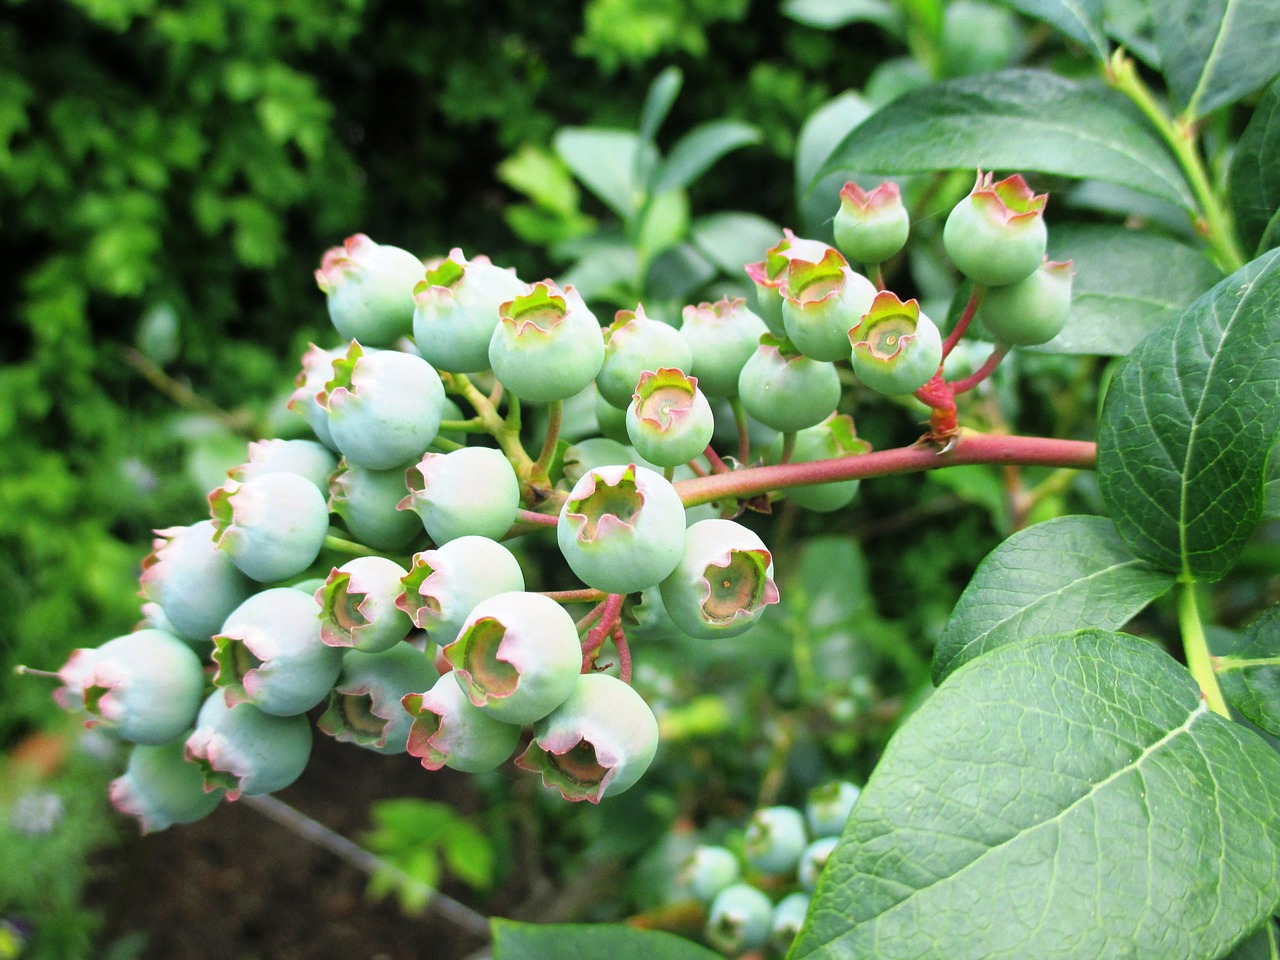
<point>348,546</point>
<point>624,653</point>
<point>988,367</point>
<point>555,415</point>
<point>969,447</point>
<point>713,458</point>
<point>744,435</point>
<point>962,324</point>
<point>23,670</point>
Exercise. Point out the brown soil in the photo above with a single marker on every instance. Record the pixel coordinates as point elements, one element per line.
<point>237,886</point>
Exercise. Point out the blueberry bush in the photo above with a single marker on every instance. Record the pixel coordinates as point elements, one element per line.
<point>630,565</point>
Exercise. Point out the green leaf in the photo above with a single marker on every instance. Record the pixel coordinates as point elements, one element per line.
<point>589,941</point>
<point>732,239</point>
<point>822,132</point>
<point>1262,944</point>
<point>1126,284</point>
<point>658,102</point>
<point>1209,49</point>
<point>1254,189</point>
<point>1250,677</point>
<point>605,161</point>
<point>666,221</point>
<point>1271,492</point>
<point>1062,574</point>
<point>1081,20</point>
<point>1054,800</point>
<point>1187,425</point>
<point>695,152</point>
<point>1015,120</point>
<point>543,178</point>
<point>469,855</point>
<point>834,14</point>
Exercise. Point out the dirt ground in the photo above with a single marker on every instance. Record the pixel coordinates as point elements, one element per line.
<point>237,886</point>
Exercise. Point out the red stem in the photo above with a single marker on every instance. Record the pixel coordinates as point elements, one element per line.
<point>609,618</point>
<point>962,324</point>
<point>532,516</point>
<point>624,654</point>
<point>713,458</point>
<point>585,595</point>
<point>968,448</point>
<point>984,371</point>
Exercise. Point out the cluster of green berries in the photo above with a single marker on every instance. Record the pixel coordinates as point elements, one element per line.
<point>442,652</point>
<point>757,883</point>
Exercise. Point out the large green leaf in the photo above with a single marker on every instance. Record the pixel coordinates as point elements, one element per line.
<point>695,152</point>
<point>590,941</point>
<point>822,132</point>
<point>1255,175</point>
<point>733,239</point>
<point>1187,425</point>
<point>1216,51</point>
<point>1081,20</point>
<point>1015,120</point>
<point>1069,796</point>
<point>1250,677</point>
<point>607,161</point>
<point>1126,284</point>
<point>1063,574</point>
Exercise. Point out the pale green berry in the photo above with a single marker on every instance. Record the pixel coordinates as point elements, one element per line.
<point>444,585</point>
<point>633,344</point>
<point>996,235</point>
<point>775,839</point>
<point>723,582</point>
<point>669,420</point>
<point>786,390</point>
<point>870,227</point>
<point>456,310</point>
<point>833,437</point>
<point>739,919</point>
<point>896,348</point>
<point>370,289</point>
<point>242,750</point>
<point>358,605</point>
<point>469,492</point>
<point>770,274</point>
<point>448,730</point>
<point>547,345</point>
<point>160,787</point>
<point>1031,311</point>
<point>722,336</point>
<point>364,706</point>
<point>821,302</point>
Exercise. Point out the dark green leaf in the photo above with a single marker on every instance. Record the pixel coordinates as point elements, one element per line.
<point>1187,425</point>
<point>1255,175</point>
<point>589,941</point>
<point>695,152</point>
<point>1210,49</point>
<point>1132,23</point>
<point>1062,574</point>
<point>1250,677</point>
<point>606,161</point>
<point>1271,494</point>
<point>1055,800</point>
<point>1126,284</point>
<point>1263,944</point>
<point>1081,20</point>
<point>1027,120</point>
<point>732,239</point>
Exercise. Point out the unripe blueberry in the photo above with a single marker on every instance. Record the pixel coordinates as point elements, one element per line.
<point>821,301</point>
<point>384,406</point>
<point>786,390</point>
<point>828,807</point>
<point>587,455</point>
<point>833,437</point>
<point>364,706</point>
<point>722,336</point>
<point>669,420</point>
<point>612,421</point>
<point>775,839</point>
<point>144,687</point>
<point>813,860</point>
<point>1031,311</point>
<point>739,919</point>
<point>770,274</point>
<point>517,656</point>
<point>160,787</point>
<point>996,235</point>
<point>272,526</point>
<point>871,227</point>
<point>547,345</point>
<point>269,653</point>
<point>456,309</point>
<point>788,918</point>
<point>370,289</point>
<point>242,750</point>
<point>368,501</point>
<point>896,348</point>
<point>469,492</point>
<point>195,584</point>
<point>317,370</point>
<point>621,528</point>
<point>444,585</point>
<point>358,605</point>
<point>723,582</point>
<point>597,743</point>
<point>709,870</point>
<point>647,617</point>
<point>307,458</point>
<point>633,343</point>
<point>448,730</point>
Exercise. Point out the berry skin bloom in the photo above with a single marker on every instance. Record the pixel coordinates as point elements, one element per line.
<point>370,289</point>
<point>996,235</point>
